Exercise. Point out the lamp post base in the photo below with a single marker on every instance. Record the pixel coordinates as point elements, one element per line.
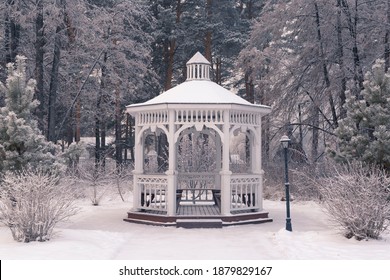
<point>288,224</point>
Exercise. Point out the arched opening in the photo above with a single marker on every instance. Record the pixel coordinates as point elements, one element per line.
<point>198,165</point>
<point>152,185</point>
<point>155,153</point>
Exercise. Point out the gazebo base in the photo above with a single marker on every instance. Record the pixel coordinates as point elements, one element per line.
<point>197,221</point>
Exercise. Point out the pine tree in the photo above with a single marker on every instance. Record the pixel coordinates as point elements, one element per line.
<point>21,142</point>
<point>365,132</point>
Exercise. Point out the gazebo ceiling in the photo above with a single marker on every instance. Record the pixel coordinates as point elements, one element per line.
<point>199,90</point>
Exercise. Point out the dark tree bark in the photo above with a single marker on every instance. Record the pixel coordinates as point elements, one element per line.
<point>340,58</point>
<point>170,50</point>
<point>352,27</point>
<point>99,122</point>
<point>39,67</point>
<point>208,35</point>
<point>315,116</point>
<point>11,36</point>
<point>118,129</point>
<point>218,70</point>
<point>51,120</point>
<point>324,66</point>
<point>387,38</point>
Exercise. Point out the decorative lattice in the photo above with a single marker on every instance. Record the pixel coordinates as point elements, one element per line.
<point>152,191</point>
<point>244,192</point>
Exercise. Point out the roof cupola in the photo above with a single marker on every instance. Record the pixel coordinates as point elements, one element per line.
<point>198,68</point>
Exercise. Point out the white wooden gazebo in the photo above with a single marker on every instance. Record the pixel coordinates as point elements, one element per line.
<point>193,199</point>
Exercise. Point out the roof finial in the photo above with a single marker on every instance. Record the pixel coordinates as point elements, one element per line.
<point>198,68</point>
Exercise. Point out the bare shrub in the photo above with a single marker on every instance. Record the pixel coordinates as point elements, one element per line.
<point>98,180</point>
<point>357,199</point>
<point>95,179</point>
<point>32,202</point>
<point>123,177</point>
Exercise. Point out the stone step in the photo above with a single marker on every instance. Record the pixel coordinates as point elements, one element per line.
<point>247,222</point>
<point>199,223</point>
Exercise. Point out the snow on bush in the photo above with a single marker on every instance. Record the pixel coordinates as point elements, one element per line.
<point>357,198</point>
<point>32,202</point>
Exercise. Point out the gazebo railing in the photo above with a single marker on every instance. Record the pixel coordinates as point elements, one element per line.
<point>196,187</point>
<point>152,191</point>
<point>244,192</point>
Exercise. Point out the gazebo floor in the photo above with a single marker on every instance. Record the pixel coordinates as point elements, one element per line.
<point>197,216</point>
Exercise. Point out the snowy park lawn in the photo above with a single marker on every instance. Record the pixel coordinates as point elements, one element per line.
<point>98,232</point>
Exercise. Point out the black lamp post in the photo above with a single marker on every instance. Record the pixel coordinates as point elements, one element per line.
<point>285,142</point>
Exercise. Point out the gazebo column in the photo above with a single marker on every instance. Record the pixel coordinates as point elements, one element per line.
<point>225,172</point>
<point>256,165</point>
<point>138,165</point>
<point>171,172</point>
<point>218,161</point>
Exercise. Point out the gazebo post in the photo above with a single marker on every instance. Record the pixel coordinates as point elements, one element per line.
<point>225,173</point>
<point>172,172</point>
<point>256,161</point>
<point>218,162</point>
<point>138,165</point>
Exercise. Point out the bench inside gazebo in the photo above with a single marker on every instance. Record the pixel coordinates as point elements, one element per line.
<point>202,186</point>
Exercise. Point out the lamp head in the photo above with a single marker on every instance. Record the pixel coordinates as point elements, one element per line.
<point>285,141</point>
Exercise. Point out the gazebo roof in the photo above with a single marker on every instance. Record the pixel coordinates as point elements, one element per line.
<point>199,90</point>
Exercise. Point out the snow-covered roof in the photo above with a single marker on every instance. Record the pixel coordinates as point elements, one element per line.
<point>197,89</point>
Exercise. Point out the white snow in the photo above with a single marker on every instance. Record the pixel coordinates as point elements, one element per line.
<point>98,232</point>
<point>198,92</point>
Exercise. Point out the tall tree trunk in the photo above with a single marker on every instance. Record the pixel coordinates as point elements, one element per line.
<point>315,133</point>
<point>39,67</point>
<point>171,47</point>
<point>99,123</point>
<point>218,70</point>
<point>51,120</point>
<point>11,36</point>
<point>340,58</point>
<point>352,27</point>
<point>118,129</point>
<point>387,38</point>
<point>324,66</point>
<point>71,34</point>
<point>170,50</point>
<point>77,136</point>
<point>208,35</point>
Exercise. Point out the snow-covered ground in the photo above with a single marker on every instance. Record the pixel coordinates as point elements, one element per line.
<point>98,232</point>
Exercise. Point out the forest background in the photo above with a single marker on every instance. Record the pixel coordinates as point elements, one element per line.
<point>91,58</point>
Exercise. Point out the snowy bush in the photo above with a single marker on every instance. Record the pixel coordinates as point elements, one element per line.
<point>33,202</point>
<point>357,199</point>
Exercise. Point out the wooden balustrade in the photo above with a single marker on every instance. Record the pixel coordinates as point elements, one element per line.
<point>244,192</point>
